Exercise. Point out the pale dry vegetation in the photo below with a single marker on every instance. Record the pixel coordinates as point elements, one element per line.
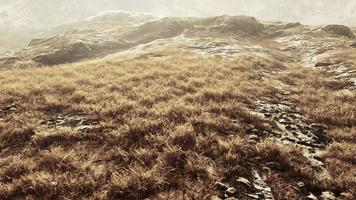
<point>165,129</point>
<point>323,101</point>
<point>160,128</point>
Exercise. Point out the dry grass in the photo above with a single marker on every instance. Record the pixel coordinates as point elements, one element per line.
<point>162,132</point>
<point>321,100</point>
<point>168,129</point>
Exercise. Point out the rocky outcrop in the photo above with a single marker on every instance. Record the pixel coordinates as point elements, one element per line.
<point>165,28</point>
<point>236,24</point>
<point>71,53</point>
<point>339,30</point>
<point>105,36</point>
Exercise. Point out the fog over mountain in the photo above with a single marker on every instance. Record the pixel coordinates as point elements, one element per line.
<point>53,12</point>
<point>25,19</point>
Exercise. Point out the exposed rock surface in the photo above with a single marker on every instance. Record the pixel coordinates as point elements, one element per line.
<point>111,34</point>
<point>245,24</point>
<point>319,54</point>
<point>339,30</point>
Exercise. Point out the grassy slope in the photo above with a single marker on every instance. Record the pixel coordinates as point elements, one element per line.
<point>167,128</point>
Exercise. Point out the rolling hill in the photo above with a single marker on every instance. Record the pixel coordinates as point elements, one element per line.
<point>129,106</point>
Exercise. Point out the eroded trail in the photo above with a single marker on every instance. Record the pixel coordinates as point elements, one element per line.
<point>288,124</point>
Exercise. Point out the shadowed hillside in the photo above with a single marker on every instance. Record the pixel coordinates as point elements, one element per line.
<point>126,106</point>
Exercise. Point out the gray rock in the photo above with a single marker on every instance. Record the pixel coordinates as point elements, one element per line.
<point>312,197</point>
<point>345,194</point>
<point>339,30</point>
<point>244,181</point>
<point>231,190</point>
<point>254,196</point>
<point>69,53</point>
<point>253,137</point>
<point>327,195</point>
<point>235,24</point>
<point>220,186</point>
<point>231,198</point>
<point>301,184</point>
<point>214,197</point>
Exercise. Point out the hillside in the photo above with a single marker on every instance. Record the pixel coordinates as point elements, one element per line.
<point>23,20</point>
<point>126,106</point>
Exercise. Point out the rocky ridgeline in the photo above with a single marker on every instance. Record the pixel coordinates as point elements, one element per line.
<point>91,41</point>
<point>121,31</point>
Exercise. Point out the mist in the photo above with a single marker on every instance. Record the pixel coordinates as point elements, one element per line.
<point>23,20</point>
<point>44,13</point>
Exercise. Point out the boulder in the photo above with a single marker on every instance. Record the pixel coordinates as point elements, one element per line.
<point>231,190</point>
<point>165,28</point>
<point>292,25</point>
<point>243,24</point>
<point>327,195</point>
<point>339,30</point>
<point>220,186</point>
<point>69,53</point>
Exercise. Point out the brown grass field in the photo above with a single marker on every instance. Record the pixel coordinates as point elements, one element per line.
<point>163,128</point>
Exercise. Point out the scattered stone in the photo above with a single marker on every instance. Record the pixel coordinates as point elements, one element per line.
<point>262,186</point>
<point>83,128</point>
<point>327,195</point>
<point>220,186</point>
<point>244,181</point>
<point>231,198</point>
<point>254,130</point>
<point>268,115</point>
<point>10,107</point>
<point>231,191</point>
<point>283,121</point>
<point>254,196</point>
<point>345,194</point>
<point>300,184</point>
<point>353,45</point>
<point>253,137</point>
<point>214,197</point>
<point>77,122</point>
<point>312,197</point>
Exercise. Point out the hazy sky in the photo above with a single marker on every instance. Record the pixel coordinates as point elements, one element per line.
<point>53,12</point>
